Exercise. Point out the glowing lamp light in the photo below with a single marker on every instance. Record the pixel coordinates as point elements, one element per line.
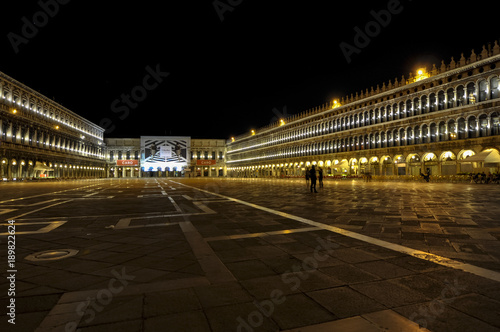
<point>421,75</point>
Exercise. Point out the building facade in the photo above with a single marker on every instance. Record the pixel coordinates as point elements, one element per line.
<point>126,157</point>
<point>123,157</point>
<point>429,122</point>
<point>41,138</point>
<point>208,158</point>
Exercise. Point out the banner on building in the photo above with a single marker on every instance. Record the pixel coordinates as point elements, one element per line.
<point>164,153</point>
<point>127,163</point>
<point>205,162</point>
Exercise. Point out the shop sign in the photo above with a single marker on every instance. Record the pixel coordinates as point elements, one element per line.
<point>127,163</point>
<point>206,162</point>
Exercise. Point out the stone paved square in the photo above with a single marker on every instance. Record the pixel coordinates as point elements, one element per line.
<point>177,254</point>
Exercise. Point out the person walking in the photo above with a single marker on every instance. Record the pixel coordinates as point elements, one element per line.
<point>426,176</point>
<point>307,177</point>
<point>320,178</point>
<point>313,179</point>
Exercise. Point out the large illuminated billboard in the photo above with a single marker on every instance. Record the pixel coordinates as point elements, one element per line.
<point>164,153</point>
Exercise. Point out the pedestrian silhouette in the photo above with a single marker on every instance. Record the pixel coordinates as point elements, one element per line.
<point>313,179</point>
<point>426,176</point>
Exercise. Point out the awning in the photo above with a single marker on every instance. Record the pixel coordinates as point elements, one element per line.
<point>488,157</point>
<point>41,167</point>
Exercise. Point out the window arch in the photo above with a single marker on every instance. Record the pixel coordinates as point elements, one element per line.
<point>432,102</point>
<point>441,101</point>
<point>424,107</point>
<point>482,87</point>
<point>471,93</point>
<point>494,88</point>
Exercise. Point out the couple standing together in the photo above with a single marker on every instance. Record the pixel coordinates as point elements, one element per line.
<point>312,175</point>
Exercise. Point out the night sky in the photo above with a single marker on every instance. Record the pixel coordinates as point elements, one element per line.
<point>189,69</point>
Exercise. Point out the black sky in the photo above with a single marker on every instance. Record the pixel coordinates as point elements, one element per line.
<point>226,77</point>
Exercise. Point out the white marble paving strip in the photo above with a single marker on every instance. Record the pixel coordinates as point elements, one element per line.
<point>444,261</point>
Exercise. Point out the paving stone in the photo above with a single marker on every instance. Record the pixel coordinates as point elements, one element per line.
<point>349,274</point>
<point>388,320</point>
<point>437,316</point>
<point>345,302</point>
<point>173,283</point>
<point>352,255</point>
<point>242,317</point>
<point>389,293</point>
<point>263,288</point>
<point>182,322</point>
<point>249,269</point>
<point>478,306</point>
<point>222,294</point>
<point>112,310</point>
<point>353,324</point>
<point>383,269</point>
<point>298,310</point>
<point>128,326</point>
<point>175,301</point>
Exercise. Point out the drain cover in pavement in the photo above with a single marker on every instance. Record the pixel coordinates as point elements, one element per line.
<point>51,255</point>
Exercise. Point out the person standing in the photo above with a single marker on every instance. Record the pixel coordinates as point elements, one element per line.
<point>313,179</point>
<point>307,177</point>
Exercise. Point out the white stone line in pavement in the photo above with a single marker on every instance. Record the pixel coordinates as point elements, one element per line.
<point>32,204</point>
<point>177,208</point>
<point>263,234</point>
<point>210,263</point>
<point>51,193</point>
<point>43,208</point>
<point>444,261</point>
<point>51,226</point>
<point>125,222</point>
<point>3,211</point>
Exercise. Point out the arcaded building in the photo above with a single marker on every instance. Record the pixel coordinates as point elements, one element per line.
<point>163,156</point>
<point>430,121</point>
<point>208,157</point>
<point>41,138</point>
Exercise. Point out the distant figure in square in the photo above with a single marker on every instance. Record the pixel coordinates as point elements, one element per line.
<point>313,179</point>
<point>307,177</point>
<point>426,176</point>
